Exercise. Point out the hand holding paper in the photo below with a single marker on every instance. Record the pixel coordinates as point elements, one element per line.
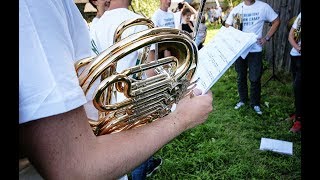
<point>219,54</point>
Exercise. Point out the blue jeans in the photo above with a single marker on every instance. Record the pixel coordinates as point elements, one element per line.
<point>140,173</point>
<point>253,62</point>
<point>197,41</point>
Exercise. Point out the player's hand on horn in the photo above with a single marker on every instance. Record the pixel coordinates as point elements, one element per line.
<point>194,109</point>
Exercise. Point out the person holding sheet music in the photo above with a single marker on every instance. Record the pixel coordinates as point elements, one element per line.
<point>54,133</point>
<point>251,16</point>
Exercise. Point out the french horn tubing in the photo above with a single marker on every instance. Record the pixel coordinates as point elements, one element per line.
<point>146,99</point>
<point>297,31</point>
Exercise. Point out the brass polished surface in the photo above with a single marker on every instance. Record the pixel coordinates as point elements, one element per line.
<point>146,99</point>
<point>297,31</point>
<point>237,21</point>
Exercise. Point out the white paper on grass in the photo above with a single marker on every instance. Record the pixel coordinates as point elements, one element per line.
<point>279,146</point>
<point>219,54</point>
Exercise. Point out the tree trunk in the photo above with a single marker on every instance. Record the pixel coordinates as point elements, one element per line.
<point>279,47</point>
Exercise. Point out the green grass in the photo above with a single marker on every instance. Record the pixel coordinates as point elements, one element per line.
<point>226,146</point>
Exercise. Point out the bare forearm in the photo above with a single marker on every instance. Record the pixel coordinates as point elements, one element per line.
<point>121,152</point>
<point>144,142</point>
<point>65,147</point>
<point>274,27</point>
<point>191,8</point>
<point>292,41</point>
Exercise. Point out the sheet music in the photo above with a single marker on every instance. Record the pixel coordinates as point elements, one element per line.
<point>219,54</point>
<point>275,145</point>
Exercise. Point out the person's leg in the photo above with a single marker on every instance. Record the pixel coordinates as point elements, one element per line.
<point>153,165</point>
<point>292,116</point>
<point>296,74</point>
<point>297,84</point>
<point>197,41</point>
<point>139,173</point>
<point>241,66</point>
<point>255,73</point>
<point>200,46</point>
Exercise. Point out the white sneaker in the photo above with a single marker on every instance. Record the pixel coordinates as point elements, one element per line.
<point>257,110</point>
<point>239,105</point>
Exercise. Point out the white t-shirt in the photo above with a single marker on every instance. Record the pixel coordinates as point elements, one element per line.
<point>293,51</point>
<point>93,22</point>
<point>163,19</point>
<point>212,13</point>
<point>49,44</point>
<point>177,19</point>
<point>217,12</point>
<point>254,17</point>
<point>102,35</point>
<point>91,29</point>
<point>93,25</point>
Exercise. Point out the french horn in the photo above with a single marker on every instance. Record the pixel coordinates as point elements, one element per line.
<point>297,31</point>
<point>237,21</point>
<point>147,99</point>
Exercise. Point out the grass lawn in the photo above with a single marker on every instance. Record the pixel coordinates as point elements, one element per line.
<point>226,146</point>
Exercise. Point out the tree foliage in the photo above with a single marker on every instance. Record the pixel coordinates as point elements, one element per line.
<point>145,7</point>
<point>232,3</point>
<point>148,7</point>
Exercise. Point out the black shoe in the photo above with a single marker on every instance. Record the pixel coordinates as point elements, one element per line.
<point>155,164</point>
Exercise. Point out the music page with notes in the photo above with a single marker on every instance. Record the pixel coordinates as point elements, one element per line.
<point>219,54</point>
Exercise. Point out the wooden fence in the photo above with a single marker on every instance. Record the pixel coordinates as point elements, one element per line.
<point>279,46</point>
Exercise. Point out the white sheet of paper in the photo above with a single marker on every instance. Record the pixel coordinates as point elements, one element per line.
<point>219,54</point>
<point>279,146</point>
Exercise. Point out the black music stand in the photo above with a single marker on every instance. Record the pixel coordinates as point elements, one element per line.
<point>273,76</point>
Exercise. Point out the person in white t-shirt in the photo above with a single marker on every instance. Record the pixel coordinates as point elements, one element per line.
<point>211,15</point>
<point>102,36</point>
<point>254,15</point>
<point>54,133</point>
<point>162,18</point>
<point>295,54</point>
<point>101,6</point>
<point>217,15</point>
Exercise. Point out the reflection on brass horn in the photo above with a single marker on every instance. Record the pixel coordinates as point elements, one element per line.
<point>297,31</point>
<point>146,99</point>
<point>237,21</point>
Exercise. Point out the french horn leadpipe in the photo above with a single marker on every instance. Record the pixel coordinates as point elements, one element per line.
<point>146,99</point>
